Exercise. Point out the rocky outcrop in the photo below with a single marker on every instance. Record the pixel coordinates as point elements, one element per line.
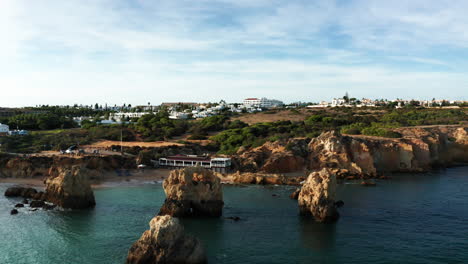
<point>40,166</point>
<point>192,191</point>
<point>166,242</point>
<point>332,150</point>
<point>317,196</point>
<point>70,188</point>
<point>419,149</point>
<point>260,178</point>
<point>19,191</point>
<point>272,157</point>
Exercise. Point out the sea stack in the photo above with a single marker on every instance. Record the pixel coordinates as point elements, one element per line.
<point>317,196</point>
<point>70,188</point>
<point>192,191</point>
<point>166,242</point>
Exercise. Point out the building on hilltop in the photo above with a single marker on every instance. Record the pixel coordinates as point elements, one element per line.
<point>261,103</point>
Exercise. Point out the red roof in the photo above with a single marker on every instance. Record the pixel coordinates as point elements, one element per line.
<point>251,99</point>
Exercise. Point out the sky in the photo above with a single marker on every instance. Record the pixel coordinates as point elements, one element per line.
<point>151,51</point>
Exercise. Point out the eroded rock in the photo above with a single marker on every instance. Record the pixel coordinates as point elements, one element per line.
<point>19,191</point>
<point>317,196</point>
<point>166,242</point>
<point>70,188</point>
<point>192,191</point>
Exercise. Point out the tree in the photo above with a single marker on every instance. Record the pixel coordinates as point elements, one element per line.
<point>346,97</point>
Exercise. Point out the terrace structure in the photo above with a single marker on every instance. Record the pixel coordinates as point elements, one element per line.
<point>217,164</point>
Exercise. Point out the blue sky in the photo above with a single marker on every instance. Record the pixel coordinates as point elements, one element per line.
<point>139,51</point>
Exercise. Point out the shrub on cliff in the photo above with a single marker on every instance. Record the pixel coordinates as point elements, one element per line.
<point>380,132</point>
<point>353,129</point>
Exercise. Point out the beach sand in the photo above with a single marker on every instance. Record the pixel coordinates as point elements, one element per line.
<point>136,177</point>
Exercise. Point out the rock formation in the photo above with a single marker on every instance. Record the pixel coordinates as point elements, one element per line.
<point>356,156</point>
<point>70,188</point>
<point>192,191</point>
<point>272,157</point>
<point>260,178</point>
<point>332,150</point>
<point>317,196</point>
<point>18,191</point>
<point>12,166</point>
<point>165,242</point>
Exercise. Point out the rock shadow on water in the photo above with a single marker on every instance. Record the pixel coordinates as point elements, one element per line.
<point>319,237</point>
<point>81,222</point>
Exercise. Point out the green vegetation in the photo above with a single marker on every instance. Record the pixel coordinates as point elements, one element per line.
<point>399,118</point>
<point>40,121</point>
<point>200,129</point>
<point>54,134</point>
<point>346,120</point>
<point>159,126</point>
<point>62,139</point>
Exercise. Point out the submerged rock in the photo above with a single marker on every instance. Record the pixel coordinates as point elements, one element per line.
<point>295,195</point>
<point>192,192</point>
<point>18,191</point>
<point>36,204</point>
<point>41,196</point>
<point>234,218</point>
<point>19,205</point>
<point>166,242</point>
<point>317,196</point>
<point>368,184</point>
<point>13,212</point>
<point>70,188</point>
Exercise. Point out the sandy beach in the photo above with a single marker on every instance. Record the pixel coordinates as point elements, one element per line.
<point>136,177</point>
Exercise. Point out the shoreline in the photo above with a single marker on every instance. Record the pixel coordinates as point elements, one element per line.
<point>148,176</point>
<point>137,178</point>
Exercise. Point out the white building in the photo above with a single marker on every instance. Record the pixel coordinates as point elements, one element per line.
<point>4,128</point>
<point>338,102</point>
<point>178,115</point>
<point>261,102</point>
<point>124,115</point>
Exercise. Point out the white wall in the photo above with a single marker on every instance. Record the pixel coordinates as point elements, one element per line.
<point>4,128</point>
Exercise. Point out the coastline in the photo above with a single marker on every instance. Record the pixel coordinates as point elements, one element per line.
<point>137,177</point>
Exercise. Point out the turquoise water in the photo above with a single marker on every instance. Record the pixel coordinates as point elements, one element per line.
<point>419,218</point>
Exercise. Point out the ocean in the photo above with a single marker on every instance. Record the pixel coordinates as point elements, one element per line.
<point>411,218</point>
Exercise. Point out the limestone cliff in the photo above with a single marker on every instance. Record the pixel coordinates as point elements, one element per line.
<point>40,166</point>
<point>332,150</point>
<point>419,149</point>
<point>192,191</point>
<point>166,242</point>
<point>261,178</point>
<point>317,196</point>
<point>272,157</point>
<point>70,188</point>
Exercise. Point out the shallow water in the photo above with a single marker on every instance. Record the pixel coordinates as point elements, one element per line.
<point>419,218</point>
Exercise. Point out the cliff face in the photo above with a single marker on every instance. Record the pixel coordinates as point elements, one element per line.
<point>331,150</point>
<point>70,188</point>
<point>419,149</point>
<point>192,191</point>
<point>272,157</point>
<point>165,242</point>
<point>317,196</point>
<point>261,178</point>
<point>39,166</point>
